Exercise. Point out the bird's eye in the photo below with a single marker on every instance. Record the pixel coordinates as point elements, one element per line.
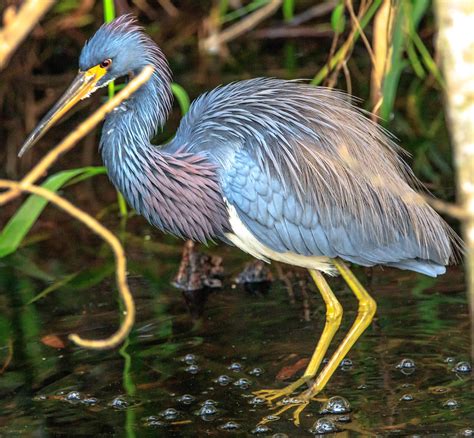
<point>106,63</point>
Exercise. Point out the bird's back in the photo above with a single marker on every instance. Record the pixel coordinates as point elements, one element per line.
<point>308,174</point>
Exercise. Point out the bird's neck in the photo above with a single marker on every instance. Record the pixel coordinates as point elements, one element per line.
<point>177,192</point>
<point>146,110</point>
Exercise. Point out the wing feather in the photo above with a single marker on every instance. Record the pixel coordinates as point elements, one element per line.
<point>310,147</point>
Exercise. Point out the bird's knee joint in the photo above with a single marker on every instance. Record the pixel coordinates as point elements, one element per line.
<point>368,307</point>
<point>334,313</point>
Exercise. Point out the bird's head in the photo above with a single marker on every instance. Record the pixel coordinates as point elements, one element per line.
<point>119,48</point>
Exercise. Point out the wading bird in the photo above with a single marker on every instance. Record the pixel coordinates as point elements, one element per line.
<point>283,170</point>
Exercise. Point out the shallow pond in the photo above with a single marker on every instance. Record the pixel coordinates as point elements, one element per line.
<point>182,345</point>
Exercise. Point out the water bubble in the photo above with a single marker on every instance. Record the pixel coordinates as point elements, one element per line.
<point>235,366</point>
<point>192,369</point>
<point>243,383</point>
<point>345,364</point>
<point>323,425</point>
<point>73,396</point>
<point>272,417</point>
<point>256,372</point>
<point>189,359</point>
<point>119,403</point>
<point>186,399</point>
<point>257,401</point>
<point>462,367</point>
<point>407,366</point>
<point>451,404</point>
<point>40,397</point>
<point>406,397</point>
<point>291,401</point>
<point>169,414</point>
<point>450,359</point>
<point>223,380</point>
<point>90,401</point>
<point>209,402</point>
<point>153,421</point>
<point>336,405</point>
<point>207,411</point>
<point>467,432</point>
<point>261,428</point>
<point>230,425</point>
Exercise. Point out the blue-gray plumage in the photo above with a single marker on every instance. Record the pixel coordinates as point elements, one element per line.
<point>277,151</point>
<point>283,170</point>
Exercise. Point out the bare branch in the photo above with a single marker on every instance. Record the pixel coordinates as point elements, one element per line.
<point>19,25</point>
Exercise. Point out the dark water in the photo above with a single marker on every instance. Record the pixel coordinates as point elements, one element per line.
<point>46,391</point>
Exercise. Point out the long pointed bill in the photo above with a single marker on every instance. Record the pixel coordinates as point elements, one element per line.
<point>83,85</point>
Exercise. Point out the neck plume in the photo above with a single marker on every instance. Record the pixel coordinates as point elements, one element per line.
<point>176,192</point>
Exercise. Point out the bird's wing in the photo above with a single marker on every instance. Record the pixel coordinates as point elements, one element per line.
<point>278,220</point>
<point>338,166</point>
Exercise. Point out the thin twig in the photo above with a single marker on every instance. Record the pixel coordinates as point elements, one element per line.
<point>14,32</point>
<point>212,43</point>
<point>81,131</point>
<point>356,22</point>
<point>344,50</point>
<point>120,262</point>
<point>169,7</point>
<point>453,210</point>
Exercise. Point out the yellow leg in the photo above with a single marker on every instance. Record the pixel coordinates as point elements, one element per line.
<point>366,312</point>
<point>333,321</point>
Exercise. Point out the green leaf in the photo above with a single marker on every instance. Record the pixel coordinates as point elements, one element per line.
<point>89,172</point>
<point>20,224</point>
<point>109,10</point>
<point>288,9</point>
<point>338,19</point>
<point>247,9</point>
<point>58,284</point>
<point>181,96</point>
<point>319,77</point>
<point>26,266</point>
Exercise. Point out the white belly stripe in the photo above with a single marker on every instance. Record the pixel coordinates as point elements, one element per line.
<point>244,239</point>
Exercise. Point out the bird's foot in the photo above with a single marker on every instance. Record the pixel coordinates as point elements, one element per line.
<point>271,395</point>
<point>298,403</point>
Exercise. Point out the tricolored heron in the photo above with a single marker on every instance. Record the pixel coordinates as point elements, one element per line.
<point>283,170</point>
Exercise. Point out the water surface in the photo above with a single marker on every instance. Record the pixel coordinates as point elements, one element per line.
<point>183,345</point>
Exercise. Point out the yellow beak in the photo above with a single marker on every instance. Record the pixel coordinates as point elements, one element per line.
<point>82,87</point>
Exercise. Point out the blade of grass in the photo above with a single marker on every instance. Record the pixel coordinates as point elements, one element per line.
<point>396,66</point>
<point>109,15</point>
<point>182,97</point>
<point>52,288</point>
<point>288,9</point>
<point>408,17</point>
<point>427,59</point>
<point>231,16</point>
<point>89,172</point>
